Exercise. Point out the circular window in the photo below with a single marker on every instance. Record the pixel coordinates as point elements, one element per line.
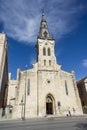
<point>48,81</point>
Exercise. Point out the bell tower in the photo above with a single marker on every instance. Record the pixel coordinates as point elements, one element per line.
<point>45,47</point>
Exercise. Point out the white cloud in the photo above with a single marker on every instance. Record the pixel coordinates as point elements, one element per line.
<point>84,63</point>
<point>21,18</point>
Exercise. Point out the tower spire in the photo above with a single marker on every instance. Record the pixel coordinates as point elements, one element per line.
<point>44,32</point>
<point>43,15</point>
<point>42,11</point>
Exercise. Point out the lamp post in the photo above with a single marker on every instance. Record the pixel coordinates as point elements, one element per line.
<point>22,109</point>
<point>22,104</point>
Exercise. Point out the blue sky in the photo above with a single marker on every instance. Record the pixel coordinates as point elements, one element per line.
<point>67,21</point>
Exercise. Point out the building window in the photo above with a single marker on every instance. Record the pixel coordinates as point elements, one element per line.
<point>49,53</point>
<point>66,88</point>
<point>44,51</point>
<point>50,62</point>
<point>28,87</point>
<point>44,62</point>
<point>59,103</point>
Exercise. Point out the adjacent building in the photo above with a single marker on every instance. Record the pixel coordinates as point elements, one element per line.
<point>82,88</point>
<point>3,70</point>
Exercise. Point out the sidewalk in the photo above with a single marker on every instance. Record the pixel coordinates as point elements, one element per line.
<point>48,117</point>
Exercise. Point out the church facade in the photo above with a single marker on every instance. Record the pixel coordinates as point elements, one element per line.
<point>45,89</point>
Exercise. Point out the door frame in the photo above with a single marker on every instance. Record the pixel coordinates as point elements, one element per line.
<point>50,100</point>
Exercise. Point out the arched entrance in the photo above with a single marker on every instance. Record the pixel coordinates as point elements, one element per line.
<point>49,105</point>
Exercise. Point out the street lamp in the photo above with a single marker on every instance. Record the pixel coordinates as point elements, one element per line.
<point>22,109</point>
<point>22,104</point>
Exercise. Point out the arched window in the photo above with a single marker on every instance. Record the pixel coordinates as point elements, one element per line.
<point>49,53</point>
<point>44,62</point>
<point>66,88</point>
<point>45,34</point>
<point>48,99</point>
<point>44,51</point>
<point>28,87</point>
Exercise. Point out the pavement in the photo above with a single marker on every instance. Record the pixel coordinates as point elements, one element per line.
<point>46,123</point>
<point>42,118</point>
